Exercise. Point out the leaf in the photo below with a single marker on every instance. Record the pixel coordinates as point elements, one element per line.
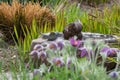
<point>111,59</point>
<point>43,68</point>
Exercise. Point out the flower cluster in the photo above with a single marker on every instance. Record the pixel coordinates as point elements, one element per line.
<point>58,61</point>
<point>90,49</point>
<point>96,51</point>
<point>56,45</point>
<point>39,53</point>
<point>85,51</point>
<point>110,52</point>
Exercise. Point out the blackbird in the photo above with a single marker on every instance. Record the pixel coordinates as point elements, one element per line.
<point>73,29</point>
<point>52,36</point>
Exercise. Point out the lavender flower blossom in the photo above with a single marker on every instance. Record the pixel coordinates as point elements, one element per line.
<point>53,46</point>
<point>34,54</point>
<point>38,47</point>
<point>42,55</point>
<point>74,42</point>
<point>109,51</point>
<point>58,62</point>
<point>113,74</point>
<point>60,45</point>
<point>82,52</point>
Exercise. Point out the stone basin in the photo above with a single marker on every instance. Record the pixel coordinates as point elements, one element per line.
<point>86,35</point>
<point>97,36</point>
<point>46,39</point>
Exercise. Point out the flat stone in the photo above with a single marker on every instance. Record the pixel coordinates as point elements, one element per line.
<point>97,36</point>
<point>86,35</point>
<point>37,41</point>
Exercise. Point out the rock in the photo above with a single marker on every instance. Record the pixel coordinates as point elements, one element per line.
<point>54,36</point>
<point>37,41</point>
<point>107,38</point>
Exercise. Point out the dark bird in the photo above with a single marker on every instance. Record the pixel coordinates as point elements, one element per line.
<point>73,29</point>
<point>52,36</point>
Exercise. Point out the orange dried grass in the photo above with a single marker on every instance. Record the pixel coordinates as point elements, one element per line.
<point>7,13</point>
<point>7,17</point>
<point>41,14</point>
<point>20,15</point>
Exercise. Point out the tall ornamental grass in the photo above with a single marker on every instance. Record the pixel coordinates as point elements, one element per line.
<point>104,21</point>
<point>21,16</point>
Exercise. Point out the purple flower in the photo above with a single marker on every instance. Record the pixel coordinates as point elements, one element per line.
<point>58,61</point>
<point>60,45</point>
<point>74,42</point>
<point>42,55</point>
<point>53,46</point>
<point>38,47</point>
<point>82,52</point>
<point>109,51</point>
<point>113,74</point>
<point>34,54</point>
<point>104,49</point>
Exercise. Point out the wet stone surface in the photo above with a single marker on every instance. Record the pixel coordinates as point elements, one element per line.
<point>96,36</point>
<point>56,36</point>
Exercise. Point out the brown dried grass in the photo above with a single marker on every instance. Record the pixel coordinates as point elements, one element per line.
<point>20,15</point>
<point>7,17</point>
<point>7,13</point>
<point>41,14</point>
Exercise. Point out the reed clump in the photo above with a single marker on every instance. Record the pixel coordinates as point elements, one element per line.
<point>20,15</point>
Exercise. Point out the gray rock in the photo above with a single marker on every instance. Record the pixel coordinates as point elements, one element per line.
<point>97,36</point>
<point>37,41</point>
<point>86,35</point>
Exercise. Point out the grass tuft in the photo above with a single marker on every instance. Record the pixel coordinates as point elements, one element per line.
<point>22,15</point>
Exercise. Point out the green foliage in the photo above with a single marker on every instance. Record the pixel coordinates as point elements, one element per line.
<point>95,2</point>
<point>3,44</point>
<point>51,3</point>
<point>24,45</point>
<point>83,71</point>
<point>105,21</point>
